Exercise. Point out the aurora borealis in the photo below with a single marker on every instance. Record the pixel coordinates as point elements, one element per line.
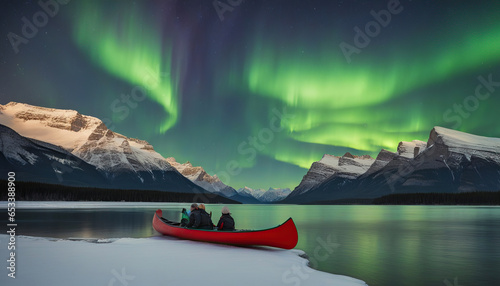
<point>144,60</point>
<point>209,91</point>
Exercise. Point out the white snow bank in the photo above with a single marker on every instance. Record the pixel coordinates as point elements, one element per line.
<point>466,143</point>
<point>157,261</point>
<point>354,166</point>
<point>407,149</point>
<point>458,138</point>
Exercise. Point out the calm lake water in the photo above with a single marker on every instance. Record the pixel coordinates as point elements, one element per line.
<point>382,245</point>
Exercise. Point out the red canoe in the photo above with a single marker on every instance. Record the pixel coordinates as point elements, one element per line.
<point>282,236</point>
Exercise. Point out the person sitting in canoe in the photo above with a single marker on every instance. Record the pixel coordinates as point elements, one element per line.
<point>226,221</point>
<point>184,217</point>
<point>202,206</point>
<point>199,218</point>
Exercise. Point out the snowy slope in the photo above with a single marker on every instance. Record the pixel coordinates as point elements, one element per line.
<point>249,192</point>
<point>411,149</point>
<point>274,195</point>
<point>84,136</point>
<point>33,160</point>
<point>201,178</point>
<point>464,143</point>
<point>319,172</point>
<point>125,162</point>
<point>158,261</point>
<point>347,166</point>
<point>383,158</point>
<point>269,196</point>
<point>15,147</point>
<point>78,134</point>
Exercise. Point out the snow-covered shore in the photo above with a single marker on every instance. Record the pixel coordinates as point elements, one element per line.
<point>156,261</point>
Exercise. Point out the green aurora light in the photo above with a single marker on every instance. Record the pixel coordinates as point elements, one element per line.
<point>127,47</point>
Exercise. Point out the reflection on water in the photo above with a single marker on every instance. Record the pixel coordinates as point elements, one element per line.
<point>382,245</point>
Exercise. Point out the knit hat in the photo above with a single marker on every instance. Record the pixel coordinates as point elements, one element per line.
<point>225,210</point>
<point>194,206</point>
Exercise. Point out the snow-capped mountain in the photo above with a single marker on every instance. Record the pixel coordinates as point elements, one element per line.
<point>124,162</point>
<point>263,196</point>
<point>383,158</point>
<point>450,161</point>
<point>249,192</point>
<point>274,195</point>
<point>84,136</point>
<point>411,149</point>
<point>38,161</point>
<point>201,178</point>
<point>456,142</point>
<point>347,166</point>
<point>214,185</point>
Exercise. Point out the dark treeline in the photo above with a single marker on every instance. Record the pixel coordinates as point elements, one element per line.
<point>344,202</point>
<point>33,191</point>
<point>470,198</point>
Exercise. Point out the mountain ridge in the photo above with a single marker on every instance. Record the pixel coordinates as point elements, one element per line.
<point>450,161</point>
<point>123,162</point>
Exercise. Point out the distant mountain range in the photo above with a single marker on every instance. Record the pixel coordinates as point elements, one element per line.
<point>450,162</point>
<point>263,196</point>
<point>65,147</point>
<point>214,185</point>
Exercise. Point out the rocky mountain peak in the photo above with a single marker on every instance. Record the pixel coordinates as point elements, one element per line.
<point>84,136</point>
<point>365,157</point>
<point>199,176</point>
<point>451,161</point>
<point>411,149</point>
<point>349,166</point>
<point>98,132</point>
<point>348,155</point>
<point>385,155</point>
<point>351,156</point>
<point>78,122</point>
<point>434,137</point>
<point>383,158</point>
<point>57,118</point>
<point>464,143</point>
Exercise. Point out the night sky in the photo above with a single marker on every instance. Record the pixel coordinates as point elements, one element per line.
<point>257,91</point>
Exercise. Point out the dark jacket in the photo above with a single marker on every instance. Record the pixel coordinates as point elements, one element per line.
<point>184,218</point>
<point>194,219</point>
<point>206,220</point>
<point>200,219</point>
<point>226,222</point>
